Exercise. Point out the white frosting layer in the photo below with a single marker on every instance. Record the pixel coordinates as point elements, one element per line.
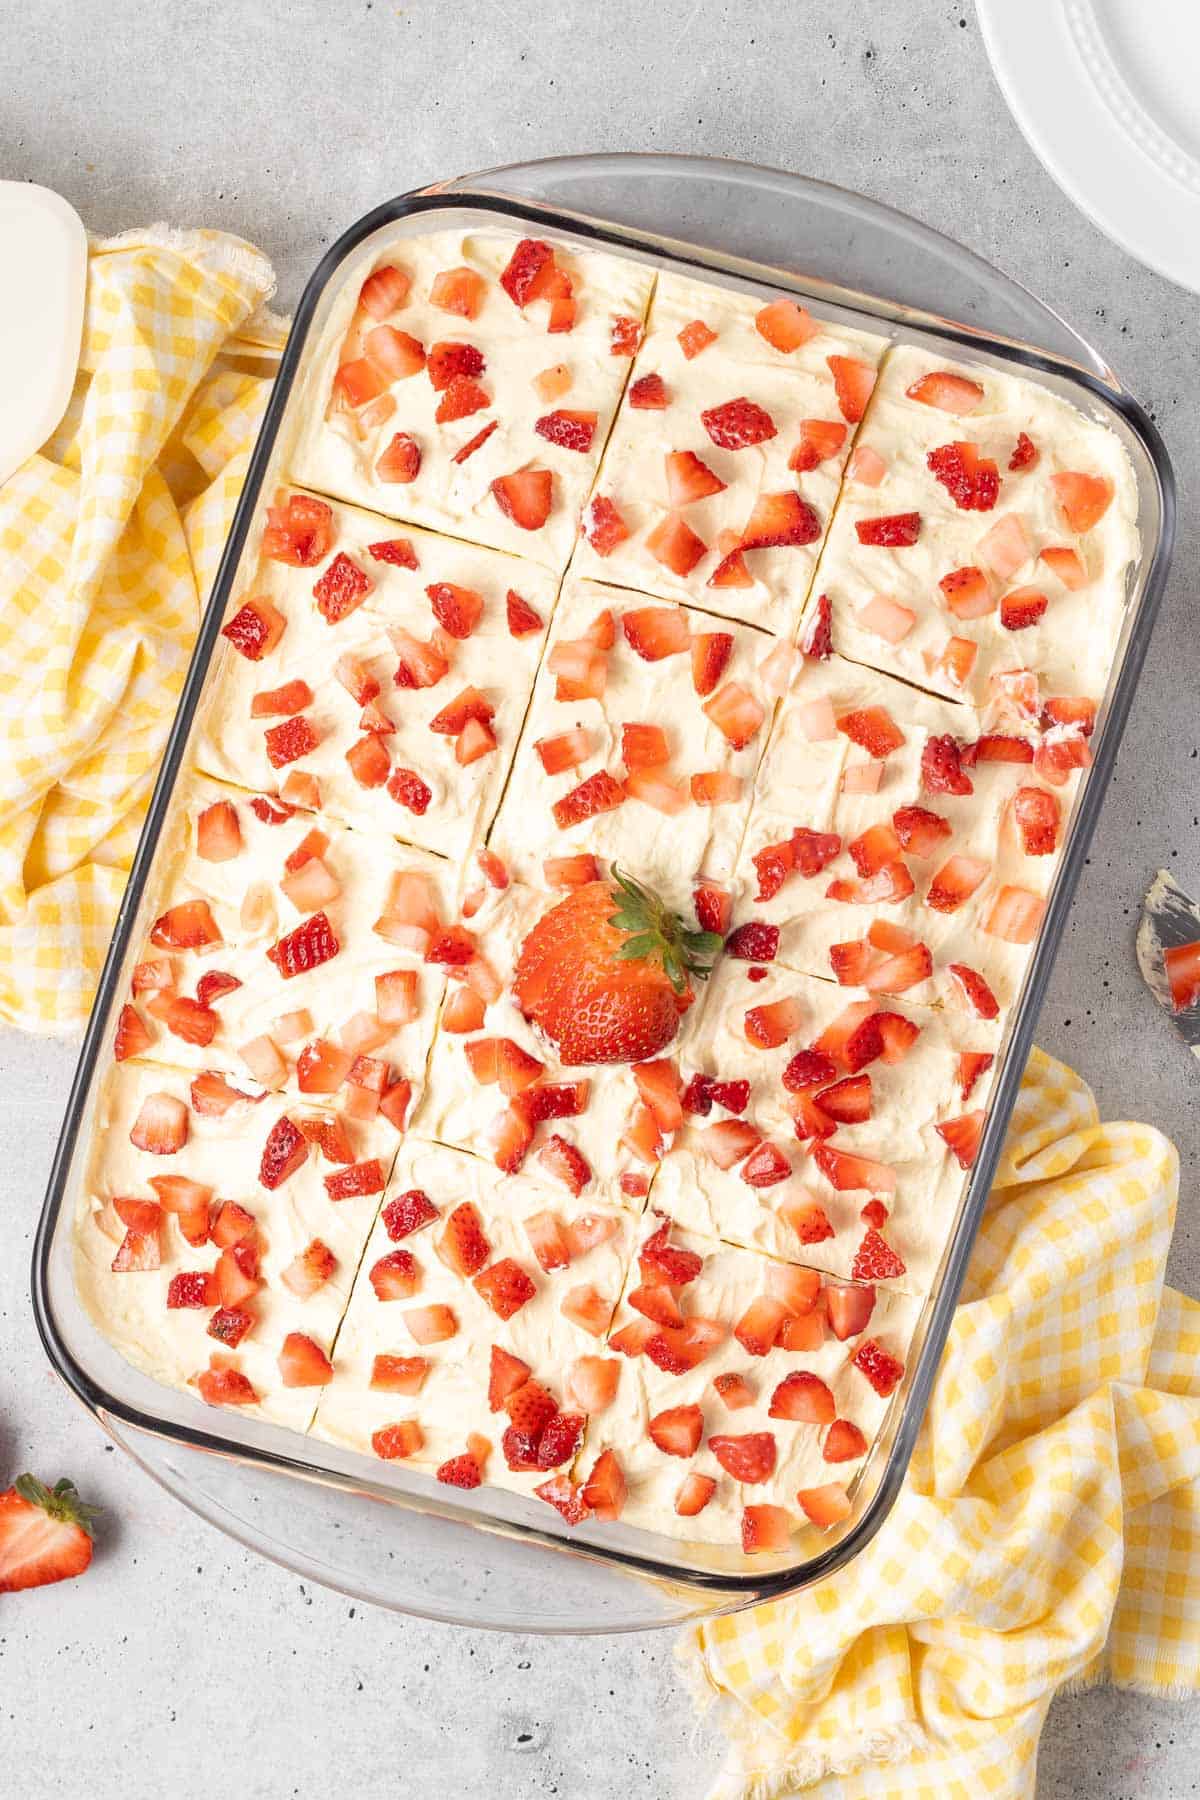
<point>907,1100</point>
<point>1071,647</point>
<point>502,667</point>
<point>455,497</point>
<point>453,1399</point>
<point>791,386</point>
<point>668,850</point>
<point>172,1344</point>
<point>253,913</point>
<point>457,1109</point>
<point>729,1280</point>
<point>800,784</point>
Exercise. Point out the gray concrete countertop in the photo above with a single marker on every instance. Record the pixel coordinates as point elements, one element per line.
<point>181,1661</point>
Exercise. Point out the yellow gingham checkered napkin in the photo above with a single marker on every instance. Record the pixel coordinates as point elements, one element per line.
<point>1049,1530</point>
<point>109,539</point>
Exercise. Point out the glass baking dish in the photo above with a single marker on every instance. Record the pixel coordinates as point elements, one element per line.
<point>484,1558</point>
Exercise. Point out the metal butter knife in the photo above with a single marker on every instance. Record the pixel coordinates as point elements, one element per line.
<point>1170,923</point>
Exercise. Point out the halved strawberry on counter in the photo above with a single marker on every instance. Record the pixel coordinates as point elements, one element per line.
<point>523,1277</point>
<point>723,466</point>
<point>357,710</point>
<point>722,1421</point>
<point>457,368</point>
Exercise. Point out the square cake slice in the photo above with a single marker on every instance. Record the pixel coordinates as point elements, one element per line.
<point>753,1413</point>
<point>642,741</point>
<point>216,1247</point>
<point>276,954</point>
<point>469,382</point>
<point>826,1127</point>
<point>986,526</point>
<point>722,471</point>
<point>898,839</point>
<point>479,1312</point>
<point>382,680</point>
<point>498,1086</point>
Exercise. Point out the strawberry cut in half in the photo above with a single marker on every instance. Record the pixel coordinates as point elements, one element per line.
<point>738,424</point>
<point>45,1534</point>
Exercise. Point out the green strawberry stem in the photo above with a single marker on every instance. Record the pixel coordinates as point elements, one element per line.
<point>657,932</point>
<point>62,1501</point>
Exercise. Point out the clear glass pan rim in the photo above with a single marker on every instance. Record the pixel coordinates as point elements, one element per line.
<point>1106,391</point>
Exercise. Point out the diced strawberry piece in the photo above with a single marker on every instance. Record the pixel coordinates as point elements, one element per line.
<point>674,544</point>
<point>188,926</point>
<point>849,1309</point>
<point>998,746</point>
<point>804,1399</point>
<point>569,430</point>
<point>655,631</point>
<point>310,1270</point>
<point>560,1440</point>
<point>191,1288</point>
<point>893,531</point>
<point>625,336</point>
<point>816,639</point>
<point>302,1362</point>
<point>505,1286</point>
<point>881,1368</point>
<point>1067,565</point>
<point>772,1024</point>
<point>448,359</point>
<point>592,1382</point>
<point>695,337</point>
<point>891,883</point>
<point>586,1307</point>
<point>224,1387</point>
<point>565,1496</point>
<point>284,1151</point>
<point>464,1246</point>
<point>401,461</point>
<point>359,1178</point>
<point>971,1065</point>
<point>962,1136</point>
<point>689,479</point>
<point>755,941</point>
<point>407,1213</point>
<point>819,440</point>
<point>825,1506</point>
<point>941,767</point>
<point>765,1167</point>
<point>748,1459</point>
<point>848,1173</point>
<point>133,1036</point>
<point>649,393</point>
<point>765,1528</point>
<point>785,325</point>
<point>1022,608</point>
<point>138,1253</point>
<point>949,392</point>
<point>873,729</point>
<point>1016,915</point>
<point>808,1068</point>
<point>656,1302</point>
<point>395,1442</point>
<point>1006,546</point>
<point>731,571</point>
<point>460,1471</point>
<point>968,593</point>
<point>458,291</point>
<point>715,788</point>
<point>307,947</point>
<point>384,290</point>
<point>848,1101</point>
<point>428,1324</point>
<point>1084,499</point>
<point>603,525</point>
<point>290,739</point>
<point>229,1325</point>
<point>599,793</point>
<point>161,1127</point>
<point>714,907</point>
<point>694,1495</point>
<point>955,882</point>
<point>1025,453</point>
<point>759,1326</point>
<point>780,521</point>
<point>462,398</point>
<point>844,1442</point>
<point>141,1216</point>
<point>397,353</point>
<point>530,258</point>
<point>359,381</point>
<point>738,424</point>
<point>523,619</point>
<point>191,1020</point>
<point>734,1391</point>
<point>605,1490</point>
<point>736,713</point>
<point>342,588</point>
<point>457,609</point>
<point>299,531</point>
<point>875,1260</point>
<point>853,383</point>
<point>972,481</point>
<point>525,497</point>
<point>677,1431</point>
<point>729,1141</point>
<point>407,789</point>
<point>530,1408</point>
<point>1038,818</point>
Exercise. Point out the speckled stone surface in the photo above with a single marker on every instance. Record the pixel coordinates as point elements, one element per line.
<point>181,1656</point>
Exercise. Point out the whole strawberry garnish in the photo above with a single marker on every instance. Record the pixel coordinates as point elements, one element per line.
<point>605,973</point>
<point>45,1534</point>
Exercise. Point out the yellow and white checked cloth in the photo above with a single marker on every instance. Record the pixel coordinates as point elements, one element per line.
<point>1049,1530</point>
<point>109,539</point>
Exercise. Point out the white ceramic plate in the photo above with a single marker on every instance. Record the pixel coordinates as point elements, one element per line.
<point>43,254</point>
<point>1108,94</point>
